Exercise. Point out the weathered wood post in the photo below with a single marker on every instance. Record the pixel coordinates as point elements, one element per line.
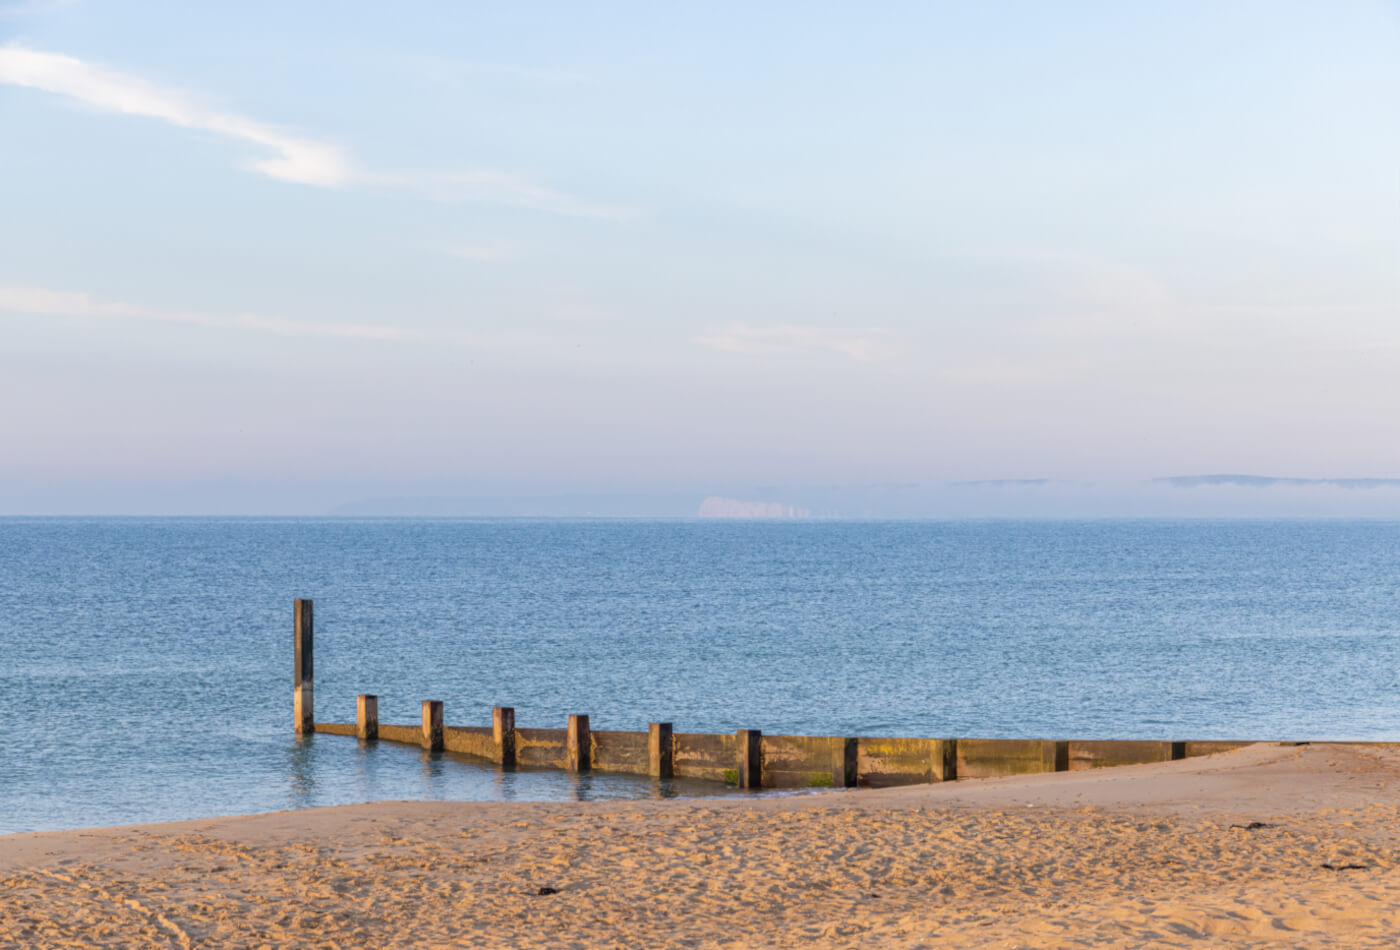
<point>578,753</point>
<point>432,725</point>
<point>303,706</point>
<point>367,716</point>
<point>850,762</point>
<point>750,758</point>
<point>660,750</point>
<point>503,732</point>
<point>945,760</point>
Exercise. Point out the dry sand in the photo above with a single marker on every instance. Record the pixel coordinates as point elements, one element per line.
<point>1139,856</point>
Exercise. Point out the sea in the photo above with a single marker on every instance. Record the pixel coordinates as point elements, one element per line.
<point>146,664</point>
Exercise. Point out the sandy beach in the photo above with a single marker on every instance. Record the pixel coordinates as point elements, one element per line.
<point>1270,845</point>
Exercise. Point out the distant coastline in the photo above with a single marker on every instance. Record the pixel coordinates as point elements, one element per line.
<point>1222,495</point>
<point>716,507</point>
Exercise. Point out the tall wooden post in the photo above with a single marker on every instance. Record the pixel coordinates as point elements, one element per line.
<point>503,732</point>
<point>367,716</point>
<point>303,711</point>
<point>579,751</point>
<point>432,725</point>
<point>750,758</point>
<point>660,750</point>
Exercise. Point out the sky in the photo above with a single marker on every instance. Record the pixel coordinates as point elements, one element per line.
<point>277,258</point>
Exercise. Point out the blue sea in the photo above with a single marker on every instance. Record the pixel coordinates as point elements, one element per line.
<point>146,665</point>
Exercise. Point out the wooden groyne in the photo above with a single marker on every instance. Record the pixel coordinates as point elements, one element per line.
<point>746,758</point>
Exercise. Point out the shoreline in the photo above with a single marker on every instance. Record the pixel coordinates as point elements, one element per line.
<point>1269,845</point>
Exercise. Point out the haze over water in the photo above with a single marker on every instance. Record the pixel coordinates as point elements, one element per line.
<point>147,669</point>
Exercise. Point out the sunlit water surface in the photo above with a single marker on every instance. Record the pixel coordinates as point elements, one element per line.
<point>145,665</point>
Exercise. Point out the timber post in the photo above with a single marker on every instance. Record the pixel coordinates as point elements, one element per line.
<point>578,753</point>
<point>367,716</point>
<point>432,725</point>
<point>660,750</point>
<point>503,734</point>
<point>750,757</point>
<point>303,704</point>
<point>946,761</point>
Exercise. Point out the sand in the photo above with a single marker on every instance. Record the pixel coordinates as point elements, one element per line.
<point>1156,855</point>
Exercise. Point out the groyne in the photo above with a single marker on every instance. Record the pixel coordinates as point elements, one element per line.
<point>746,757</point>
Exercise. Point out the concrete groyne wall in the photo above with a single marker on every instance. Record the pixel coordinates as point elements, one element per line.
<point>746,757</point>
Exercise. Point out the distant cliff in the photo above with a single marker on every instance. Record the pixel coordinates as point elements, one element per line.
<point>715,507</point>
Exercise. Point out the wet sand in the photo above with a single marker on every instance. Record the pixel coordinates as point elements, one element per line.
<point>1270,845</point>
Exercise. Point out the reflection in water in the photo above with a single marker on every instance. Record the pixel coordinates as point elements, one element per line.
<point>503,781</point>
<point>328,770</point>
<point>301,768</point>
<point>363,771</point>
<point>432,772</point>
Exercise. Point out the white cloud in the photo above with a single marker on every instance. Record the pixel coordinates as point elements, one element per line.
<point>494,187</point>
<point>291,157</point>
<point>864,345</point>
<point>45,302</point>
<point>55,303</point>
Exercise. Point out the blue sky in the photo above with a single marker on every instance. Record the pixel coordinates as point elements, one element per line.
<point>273,258</point>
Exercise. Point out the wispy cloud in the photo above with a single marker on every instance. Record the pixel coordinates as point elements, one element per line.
<point>291,157</point>
<point>495,187</point>
<point>56,303</point>
<point>864,345</point>
<point>485,251</point>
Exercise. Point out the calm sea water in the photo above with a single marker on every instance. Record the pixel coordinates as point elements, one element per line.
<point>146,670</point>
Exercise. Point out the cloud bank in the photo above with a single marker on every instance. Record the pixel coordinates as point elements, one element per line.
<point>290,157</point>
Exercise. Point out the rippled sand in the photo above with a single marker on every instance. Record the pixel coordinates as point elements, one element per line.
<point>1232,850</point>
